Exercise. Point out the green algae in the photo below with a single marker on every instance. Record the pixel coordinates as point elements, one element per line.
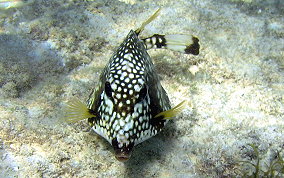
<point>275,168</point>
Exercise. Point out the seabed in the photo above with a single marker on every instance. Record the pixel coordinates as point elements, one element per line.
<point>53,50</point>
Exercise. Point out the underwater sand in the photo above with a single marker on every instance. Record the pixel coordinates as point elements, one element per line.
<point>53,50</point>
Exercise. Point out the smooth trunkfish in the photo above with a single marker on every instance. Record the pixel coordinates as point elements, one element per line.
<point>129,105</point>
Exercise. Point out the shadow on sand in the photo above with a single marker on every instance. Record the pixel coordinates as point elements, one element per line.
<point>149,151</point>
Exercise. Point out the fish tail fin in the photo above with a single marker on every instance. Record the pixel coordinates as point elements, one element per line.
<point>141,28</point>
<point>75,111</point>
<point>187,44</point>
<point>169,114</point>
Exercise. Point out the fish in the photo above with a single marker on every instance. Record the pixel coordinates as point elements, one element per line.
<point>129,104</point>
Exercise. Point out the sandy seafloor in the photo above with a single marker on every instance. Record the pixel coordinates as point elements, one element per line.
<point>53,50</point>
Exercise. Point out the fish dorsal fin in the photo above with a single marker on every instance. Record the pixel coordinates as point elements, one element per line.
<point>75,111</point>
<point>155,15</point>
<point>168,114</point>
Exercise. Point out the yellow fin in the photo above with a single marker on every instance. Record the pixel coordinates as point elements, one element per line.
<point>155,15</point>
<point>172,112</point>
<point>75,111</point>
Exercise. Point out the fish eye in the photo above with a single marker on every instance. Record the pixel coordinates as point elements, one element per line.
<point>108,89</point>
<point>142,93</point>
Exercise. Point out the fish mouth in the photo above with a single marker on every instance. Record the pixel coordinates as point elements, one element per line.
<point>122,156</point>
<point>123,152</point>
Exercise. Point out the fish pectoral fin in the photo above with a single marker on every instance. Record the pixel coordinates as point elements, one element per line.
<point>187,44</point>
<point>75,111</point>
<point>155,15</point>
<point>169,114</point>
